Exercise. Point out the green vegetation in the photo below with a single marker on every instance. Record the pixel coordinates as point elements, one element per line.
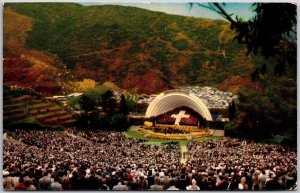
<point>264,115</point>
<point>18,91</point>
<point>73,102</point>
<point>180,45</point>
<point>101,111</point>
<point>90,39</point>
<point>270,108</point>
<point>96,92</point>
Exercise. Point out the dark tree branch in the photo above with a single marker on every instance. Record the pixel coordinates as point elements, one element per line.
<point>211,8</point>
<point>225,14</point>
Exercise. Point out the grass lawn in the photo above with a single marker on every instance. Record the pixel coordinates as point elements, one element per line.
<point>137,135</point>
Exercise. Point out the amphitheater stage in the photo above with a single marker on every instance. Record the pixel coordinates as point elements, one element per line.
<point>142,132</point>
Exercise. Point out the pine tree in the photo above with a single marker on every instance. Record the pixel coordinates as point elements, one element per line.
<point>86,103</point>
<point>123,106</point>
<point>231,111</point>
<point>108,102</point>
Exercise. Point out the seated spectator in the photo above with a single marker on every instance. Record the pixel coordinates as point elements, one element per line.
<point>8,181</point>
<point>156,185</point>
<point>242,184</point>
<point>193,186</point>
<point>120,186</point>
<point>104,186</point>
<point>45,182</point>
<point>28,182</point>
<point>272,183</point>
<point>56,185</point>
<point>172,186</point>
<point>20,185</point>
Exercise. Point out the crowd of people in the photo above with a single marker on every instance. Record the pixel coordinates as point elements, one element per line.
<point>167,130</point>
<point>165,119</point>
<point>237,164</point>
<point>107,160</point>
<point>75,156</point>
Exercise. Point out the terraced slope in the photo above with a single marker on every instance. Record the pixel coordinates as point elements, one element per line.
<point>42,110</point>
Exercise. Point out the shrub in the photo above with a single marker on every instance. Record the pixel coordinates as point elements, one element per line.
<point>119,122</point>
<point>73,102</point>
<point>180,45</point>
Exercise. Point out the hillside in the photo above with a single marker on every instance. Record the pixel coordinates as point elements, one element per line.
<point>59,43</point>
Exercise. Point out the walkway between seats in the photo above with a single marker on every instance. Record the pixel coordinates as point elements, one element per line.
<point>79,138</point>
<point>184,151</point>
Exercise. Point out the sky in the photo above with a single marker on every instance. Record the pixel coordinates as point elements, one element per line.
<point>244,10</point>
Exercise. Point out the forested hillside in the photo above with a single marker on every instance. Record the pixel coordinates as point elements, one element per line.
<point>134,48</point>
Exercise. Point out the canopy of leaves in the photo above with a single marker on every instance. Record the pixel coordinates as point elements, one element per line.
<point>266,114</point>
<point>123,106</point>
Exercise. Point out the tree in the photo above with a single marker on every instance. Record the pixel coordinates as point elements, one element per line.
<point>272,32</point>
<point>265,114</point>
<point>131,100</point>
<point>85,85</point>
<point>96,93</point>
<point>119,122</point>
<point>123,106</point>
<point>73,102</point>
<point>108,102</point>
<point>87,104</point>
<point>87,119</point>
<point>231,110</point>
<point>263,69</point>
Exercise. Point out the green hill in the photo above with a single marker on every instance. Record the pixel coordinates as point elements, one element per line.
<point>132,47</point>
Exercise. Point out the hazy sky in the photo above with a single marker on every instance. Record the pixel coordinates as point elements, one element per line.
<point>242,9</point>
